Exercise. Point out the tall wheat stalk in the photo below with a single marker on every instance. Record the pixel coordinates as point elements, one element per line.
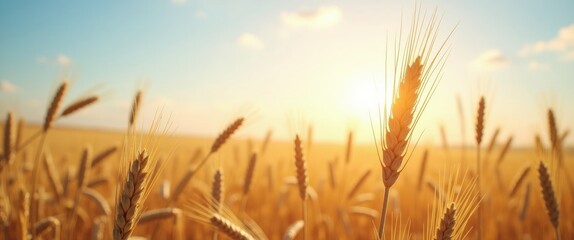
<point>416,74</point>
<point>479,130</point>
<point>302,180</point>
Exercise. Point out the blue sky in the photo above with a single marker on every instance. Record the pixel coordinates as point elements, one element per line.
<point>210,61</point>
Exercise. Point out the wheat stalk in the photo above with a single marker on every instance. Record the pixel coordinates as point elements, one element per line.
<point>518,180</point>
<point>525,203</point>
<point>78,105</point>
<point>53,176</point>
<point>100,201</point>
<point>103,155</point>
<point>332,176</point>
<point>364,211</point>
<point>133,192</point>
<point>479,130</point>
<point>423,168</point>
<point>358,184</point>
<point>293,230</point>
<point>444,232</point>
<point>302,179</point>
<point>217,143</point>
<point>349,148</point>
<point>549,197</point>
<point>9,135</point>
<point>47,223</point>
<point>23,212</point>
<point>54,106</point>
<point>249,174</point>
<point>228,228</point>
<point>504,151</point>
<point>135,108</point>
<point>217,189</point>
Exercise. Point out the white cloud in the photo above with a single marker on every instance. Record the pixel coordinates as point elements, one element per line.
<point>178,2</point>
<point>562,42</point>
<point>60,59</point>
<point>7,87</point>
<point>538,66</point>
<point>492,59</point>
<point>315,18</point>
<point>249,40</point>
<point>63,60</point>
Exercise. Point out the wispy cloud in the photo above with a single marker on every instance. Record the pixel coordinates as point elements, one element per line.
<point>250,41</point>
<point>321,17</point>
<point>492,59</point>
<point>538,66</point>
<point>569,56</point>
<point>7,87</point>
<point>562,42</point>
<point>60,59</point>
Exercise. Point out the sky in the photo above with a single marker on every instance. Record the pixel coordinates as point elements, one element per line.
<point>279,62</point>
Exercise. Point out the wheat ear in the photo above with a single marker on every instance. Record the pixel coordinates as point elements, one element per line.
<point>46,223</point>
<point>79,105</point>
<point>358,184</point>
<point>249,174</point>
<point>228,228</point>
<point>423,169</point>
<point>135,108</point>
<point>103,155</point>
<point>302,179</point>
<point>549,197</point>
<point>519,179</point>
<point>132,195</point>
<point>54,106</point>
<point>9,134</point>
<point>444,232</point>
<point>100,201</point>
<point>54,176</point>
<point>217,189</point>
<point>293,230</point>
<point>217,143</point>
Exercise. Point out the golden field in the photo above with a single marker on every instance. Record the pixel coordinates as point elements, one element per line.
<point>273,202</point>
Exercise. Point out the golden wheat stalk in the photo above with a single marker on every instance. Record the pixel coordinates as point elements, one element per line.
<point>525,203</point>
<point>79,105</point>
<point>217,189</point>
<point>103,155</point>
<point>293,230</point>
<point>479,131</point>
<point>54,176</point>
<point>332,176</point>
<point>358,184</point>
<point>217,143</point>
<point>364,211</point>
<point>302,179</point>
<point>9,135</point>
<point>55,105</point>
<point>100,201</point>
<point>23,212</point>
<point>444,232</point>
<point>349,148</point>
<point>549,197</point>
<point>423,168</point>
<point>416,74</point>
<point>504,151</point>
<point>135,108</point>
<point>228,228</point>
<point>249,174</point>
<point>133,192</point>
<point>48,223</point>
<point>519,179</point>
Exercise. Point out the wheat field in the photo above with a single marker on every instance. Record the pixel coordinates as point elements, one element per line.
<point>149,181</point>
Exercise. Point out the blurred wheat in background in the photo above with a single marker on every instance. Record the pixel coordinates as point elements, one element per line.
<point>148,180</point>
